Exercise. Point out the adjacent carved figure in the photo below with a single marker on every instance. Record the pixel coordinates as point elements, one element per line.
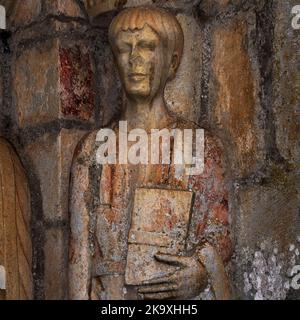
<point>15,242</point>
<point>127,220</point>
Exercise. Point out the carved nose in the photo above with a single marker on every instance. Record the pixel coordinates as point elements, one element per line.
<point>135,57</point>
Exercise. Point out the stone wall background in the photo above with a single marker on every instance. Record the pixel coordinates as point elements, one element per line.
<point>240,76</point>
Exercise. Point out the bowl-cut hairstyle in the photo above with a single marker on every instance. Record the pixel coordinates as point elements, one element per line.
<point>161,21</point>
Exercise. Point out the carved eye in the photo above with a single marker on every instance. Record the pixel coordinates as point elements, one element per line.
<point>147,45</point>
<point>123,48</point>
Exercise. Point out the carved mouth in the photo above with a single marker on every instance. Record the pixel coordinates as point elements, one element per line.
<point>137,76</point>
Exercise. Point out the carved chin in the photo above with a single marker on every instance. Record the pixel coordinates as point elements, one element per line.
<point>138,89</point>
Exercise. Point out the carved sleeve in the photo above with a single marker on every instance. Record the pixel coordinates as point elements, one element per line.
<point>210,220</point>
<point>80,264</point>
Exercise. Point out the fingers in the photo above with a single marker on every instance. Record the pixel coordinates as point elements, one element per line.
<point>159,295</point>
<point>176,261</point>
<point>161,280</point>
<point>158,288</point>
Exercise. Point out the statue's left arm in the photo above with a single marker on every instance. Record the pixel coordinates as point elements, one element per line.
<point>210,232</point>
<point>80,261</point>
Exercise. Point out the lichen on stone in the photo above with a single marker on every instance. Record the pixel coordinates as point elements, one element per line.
<point>269,271</point>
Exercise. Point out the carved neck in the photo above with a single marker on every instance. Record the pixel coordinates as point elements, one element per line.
<point>147,115</point>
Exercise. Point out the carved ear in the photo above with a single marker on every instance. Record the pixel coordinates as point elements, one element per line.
<point>174,65</point>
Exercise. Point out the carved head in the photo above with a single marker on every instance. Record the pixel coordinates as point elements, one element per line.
<point>147,44</point>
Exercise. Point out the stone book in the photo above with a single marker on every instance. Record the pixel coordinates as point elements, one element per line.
<point>159,224</point>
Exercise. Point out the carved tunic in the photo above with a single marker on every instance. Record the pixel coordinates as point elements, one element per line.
<point>101,206</point>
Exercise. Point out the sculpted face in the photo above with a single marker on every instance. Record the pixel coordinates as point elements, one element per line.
<point>142,62</point>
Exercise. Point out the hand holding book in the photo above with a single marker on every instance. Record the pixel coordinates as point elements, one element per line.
<point>187,281</point>
<point>157,263</point>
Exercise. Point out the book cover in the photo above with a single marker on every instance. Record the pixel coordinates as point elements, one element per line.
<point>159,223</point>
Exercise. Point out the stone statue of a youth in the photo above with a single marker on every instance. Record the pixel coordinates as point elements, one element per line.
<point>147,44</point>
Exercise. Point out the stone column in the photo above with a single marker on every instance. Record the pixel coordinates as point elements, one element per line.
<point>53,102</point>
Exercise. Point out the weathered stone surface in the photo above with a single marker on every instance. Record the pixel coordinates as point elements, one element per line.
<point>235,110</point>
<point>111,98</point>
<point>269,271</point>
<point>56,264</point>
<point>95,8</point>
<point>24,13</point>
<point>35,82</point>
<point>52,81</point>
<point>183,94</point>
<point>63,7</point>
<point>287,83</point>
<point>267,231</point>
<point>52,157</point>
<point>209,8</point>
<point>80,227</point>
<point>176,4</point>
<point>268,212</point>
<point>76,82</point>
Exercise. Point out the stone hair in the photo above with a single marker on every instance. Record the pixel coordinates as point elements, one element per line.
<point>161,21</point>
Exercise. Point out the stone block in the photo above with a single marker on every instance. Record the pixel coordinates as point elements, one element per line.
<point>76,88</point>
<point>35,81</point>
<point>268,212</point>
<point>210,8</point>
<point>56,262</point>
<point>267,239</point>
<point>95,8</point>
<point>51,81</point>
<point>235,108</point>
<point>183,94</point>
<point>63,7</point>
<point>52,156</point>
<point>175,4</point>
<point>287,83</point>
<point>24,13</point>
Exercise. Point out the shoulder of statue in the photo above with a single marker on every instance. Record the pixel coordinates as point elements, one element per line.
<point>87,147</point>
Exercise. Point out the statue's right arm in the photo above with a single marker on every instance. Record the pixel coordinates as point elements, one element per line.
<point>80,264</point>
